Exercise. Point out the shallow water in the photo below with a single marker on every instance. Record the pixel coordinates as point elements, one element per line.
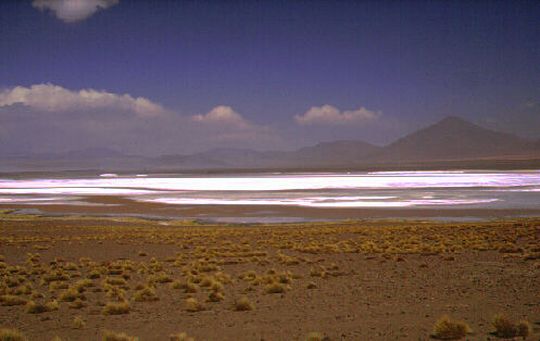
<point>422,189</point>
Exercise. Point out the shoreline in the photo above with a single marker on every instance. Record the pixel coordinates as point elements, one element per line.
<point>122,206</point>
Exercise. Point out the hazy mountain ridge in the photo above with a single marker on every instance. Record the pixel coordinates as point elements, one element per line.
<point>451,139</point>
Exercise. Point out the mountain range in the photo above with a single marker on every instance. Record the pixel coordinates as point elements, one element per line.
<point>450,143</point>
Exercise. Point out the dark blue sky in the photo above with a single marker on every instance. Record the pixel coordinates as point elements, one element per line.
<point>413,62</point>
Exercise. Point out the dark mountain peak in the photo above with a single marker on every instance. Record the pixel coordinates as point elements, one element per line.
<point>342,143</point>
<point>453,138</point>
<point>455,124</point>
<point>454,120</point>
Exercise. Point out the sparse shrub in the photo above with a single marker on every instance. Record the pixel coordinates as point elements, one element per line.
<point>275,288</point>
<point>193,305</point>
<point>216,296</point>
<point>35,295</point>
<point>52,305</point>
<point>10,300</point>
<point>180,337</point>
<point>82,284</point>
<point>116,308</point>
<point>78,322</point>
<point>191,287</point>
<point>160,278</point>
<point>77,304</point>
<point>115,281</point>
<point>7,334</point>
<point>69,295</point>
<point>112,336</point>
<point>94,274</point>
<point>176,284</point>
<point>35,308</point>
<point>315,336</point>
<point>146,294</point>
<point>53,286</point>
<point>448,329</point>
<point>505,327</point>
<point>243,304</point>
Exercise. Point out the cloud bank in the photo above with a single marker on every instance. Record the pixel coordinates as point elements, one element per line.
<point>54,98</point>
<point>71,11</point>
<point>50,118</point>
<point>330,115</point>
<point>223,115</point>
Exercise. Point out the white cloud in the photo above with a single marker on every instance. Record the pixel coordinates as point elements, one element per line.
<point>73,10</point>
<point>52,98</point>
<point>223,116</point>
<point>330,115</point>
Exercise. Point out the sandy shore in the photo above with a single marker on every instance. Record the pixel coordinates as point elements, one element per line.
<point>370,280</point>
<point>117,205</point>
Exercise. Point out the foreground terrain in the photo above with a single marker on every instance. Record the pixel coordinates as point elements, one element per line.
<point>76,277</point>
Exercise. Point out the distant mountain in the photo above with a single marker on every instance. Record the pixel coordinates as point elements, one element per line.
<point>335,153</point>
<point>326,154</point>
<point>451,142</point>
<point>215,158</point>
<point>94,153</point>
<point>453,139</point>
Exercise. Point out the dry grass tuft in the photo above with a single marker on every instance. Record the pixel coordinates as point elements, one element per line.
<point>193,305</point>
<point>145,294</point>
<point>275,288</point>
<point>78,322</point>
<point>315,336</point>
<point>448,329</point>
<point>11,300</point>
<point>77,304</point>
<point>506,328</point>
<point>243,304</point>
<point>116,308</point>
<point>7,334</point>
<point>113,336</point>
<point>180,337</point>
<point>69,295</point>
<point>216,296</point>
<point>35,308</point>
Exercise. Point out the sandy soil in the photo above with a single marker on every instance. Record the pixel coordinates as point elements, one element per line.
<point>369,280</point>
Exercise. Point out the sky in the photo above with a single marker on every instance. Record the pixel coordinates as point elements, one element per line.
<point>173,77</point>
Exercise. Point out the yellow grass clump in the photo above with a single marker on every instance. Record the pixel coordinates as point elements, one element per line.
<point>448,329</point>
<point>77,304</point>
<point>10,300</point>
<point>216,296</point>
<point>505,327</point>
<point>69,295</point>
<point>243,304</point>
<point>78,322</point>
<point>113,336</point>
<point>315,336</point>
<point>116,308</point>
<point>275,288</point>
<point>180,337</point>
<point>7,334</point>
<point>36,308</point>
<point>145,294</point>
<point>193,305</point>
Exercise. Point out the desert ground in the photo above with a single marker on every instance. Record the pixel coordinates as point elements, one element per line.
<point>79,278</point>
